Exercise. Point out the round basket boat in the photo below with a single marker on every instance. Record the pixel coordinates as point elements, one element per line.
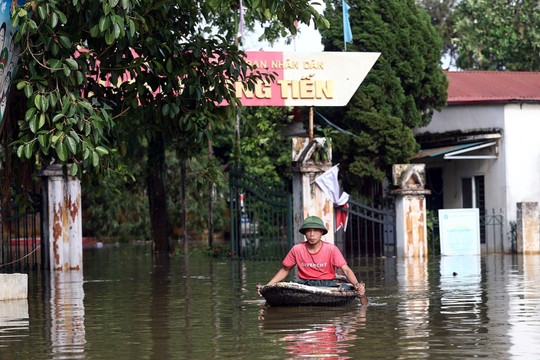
<point>294,294</point>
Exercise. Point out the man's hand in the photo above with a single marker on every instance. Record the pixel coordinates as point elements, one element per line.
<point>360,288</point>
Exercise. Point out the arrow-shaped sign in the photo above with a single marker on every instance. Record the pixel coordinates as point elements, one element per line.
<point>306,79</point>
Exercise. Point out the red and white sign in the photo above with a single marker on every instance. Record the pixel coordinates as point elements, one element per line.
<point>306,79</point>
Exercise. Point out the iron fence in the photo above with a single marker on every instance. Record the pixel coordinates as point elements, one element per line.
<point>261,217</point>
<point>370,231</point>
<point>20,248</point>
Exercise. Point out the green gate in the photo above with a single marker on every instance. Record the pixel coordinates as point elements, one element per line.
<point>261,217</point>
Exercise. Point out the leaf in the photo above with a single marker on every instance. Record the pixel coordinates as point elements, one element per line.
<point>103,23</point>
<point>54,48</point>
<point>28,91</point>
<point>101,150</point>
<point>44,103</point>
<point>20,85</point>
<point>61,151</point>
<point>116,31</point>
<point>65,41</point>
<point>95,159</point>
<point>42,12</point>
<point>132,27</point>
<point>32,124</point>
<point>73,169</point>
<point>20,150</point>
<point>42,138</point>
<point>165,109</point>
<point>29,113</point>
<point>86,105</point>
<point>72,64</point>
<point>41,120</point>
<point>113,3</point>
<point>94,31</point>
<point>62,16</point>
<point>37,101</point>
<point>54,20</point>
<point>57,117</point>
<point>28,150</point>
<point>109,38</point>
<point>80,78</point>
<point>71,144</point>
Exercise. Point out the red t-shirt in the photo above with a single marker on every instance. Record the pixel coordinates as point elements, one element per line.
<point>318,266</point>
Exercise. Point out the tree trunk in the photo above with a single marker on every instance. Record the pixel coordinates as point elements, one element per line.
<point>210,200</point>
<point>157,196</point>
<point>184,206</point>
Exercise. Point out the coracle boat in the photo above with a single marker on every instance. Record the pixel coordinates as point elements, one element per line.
<point>294,294</point>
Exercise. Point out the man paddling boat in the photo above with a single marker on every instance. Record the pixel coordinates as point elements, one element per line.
<point>317,260</point>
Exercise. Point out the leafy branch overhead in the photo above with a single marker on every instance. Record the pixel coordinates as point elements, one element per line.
<point>92,71</point>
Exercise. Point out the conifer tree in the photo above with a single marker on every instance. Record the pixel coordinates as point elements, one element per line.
<point>401,91</point>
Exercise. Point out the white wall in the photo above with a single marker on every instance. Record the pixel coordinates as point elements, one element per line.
<point>465,118</point>
<point>522,155</point>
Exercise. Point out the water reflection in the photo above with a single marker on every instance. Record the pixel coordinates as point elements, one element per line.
<point>414,315</point>
<point>67,314</point>
<point>13,320</point>
<point>319,332</point>
<point>523,305</point>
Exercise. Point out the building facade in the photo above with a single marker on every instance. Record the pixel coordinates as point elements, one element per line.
<point>483,150</point>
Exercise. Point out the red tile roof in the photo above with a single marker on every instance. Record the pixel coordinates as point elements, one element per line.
<point>489,87</point>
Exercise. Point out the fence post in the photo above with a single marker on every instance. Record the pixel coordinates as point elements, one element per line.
<point>64,219</point>
<point>528,229</point>
<point>411,224</point>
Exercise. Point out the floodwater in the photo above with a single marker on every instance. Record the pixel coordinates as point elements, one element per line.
<point>126,305</point>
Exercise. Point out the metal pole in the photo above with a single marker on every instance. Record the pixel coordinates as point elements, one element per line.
<point>310,123</point>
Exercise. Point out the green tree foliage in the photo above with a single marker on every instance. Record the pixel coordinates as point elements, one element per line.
<point>498,35</point>
<point>441,13</point>
<point>106,79</point>
<point>402,90</point>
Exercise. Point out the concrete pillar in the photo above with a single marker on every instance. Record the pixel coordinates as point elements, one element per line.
<point>411,224</point>
<point>13,286</point>
<point>65,221</point>
<point>308,198</point>
<point>74,222</point>
<point>528,228</point>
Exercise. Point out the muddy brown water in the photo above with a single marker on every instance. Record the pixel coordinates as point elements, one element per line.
<point>126,305</point>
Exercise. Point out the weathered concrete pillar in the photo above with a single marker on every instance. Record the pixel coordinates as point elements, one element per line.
<point>411,229</point>
<point>528,228</point>
<point>308,198</point>
<point>65,222</point>
<point>13,286</point>
<point>75,222</point>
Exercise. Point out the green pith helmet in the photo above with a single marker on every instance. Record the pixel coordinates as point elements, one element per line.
<point>313,222</point>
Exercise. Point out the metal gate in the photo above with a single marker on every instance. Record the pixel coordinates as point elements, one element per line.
<point>371,231</point>
<point>261,217</point>
<point>20,240</point>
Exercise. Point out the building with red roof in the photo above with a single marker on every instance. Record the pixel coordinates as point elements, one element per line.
<point>483,150</point>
